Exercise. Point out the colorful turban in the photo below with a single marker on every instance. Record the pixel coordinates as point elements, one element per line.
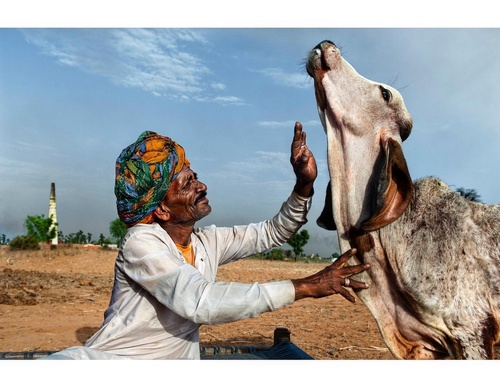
<point>144,171</point>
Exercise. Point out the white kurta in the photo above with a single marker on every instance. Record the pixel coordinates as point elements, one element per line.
<point>159,301</point>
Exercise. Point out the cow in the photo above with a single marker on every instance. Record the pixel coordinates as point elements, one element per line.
<point>434,255</point>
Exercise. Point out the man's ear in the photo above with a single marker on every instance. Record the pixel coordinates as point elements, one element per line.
<point>162,212</point>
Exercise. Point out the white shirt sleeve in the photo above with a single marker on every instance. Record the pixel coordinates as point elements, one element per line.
<point>182,289</point>
<point>242,241</point>
<point>152,261</point>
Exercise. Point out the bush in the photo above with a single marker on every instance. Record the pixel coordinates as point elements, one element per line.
<point>275,254</point>
<point>24,243</point>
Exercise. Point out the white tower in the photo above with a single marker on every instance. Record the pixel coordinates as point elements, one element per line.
<point>52,210</point>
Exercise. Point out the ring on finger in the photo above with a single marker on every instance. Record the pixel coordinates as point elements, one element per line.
<point>347,282</point>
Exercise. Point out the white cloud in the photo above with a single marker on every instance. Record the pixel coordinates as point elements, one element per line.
<point>229,100</point>
<point>157,61</point>
<point>287,124</point>
<point>222,100</point>
<point>218,86</point>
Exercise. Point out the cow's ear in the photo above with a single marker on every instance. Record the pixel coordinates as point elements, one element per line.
<point>394,188</point>
<point>325,219</point>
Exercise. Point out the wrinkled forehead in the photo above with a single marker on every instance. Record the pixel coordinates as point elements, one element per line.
<point>184,175</point>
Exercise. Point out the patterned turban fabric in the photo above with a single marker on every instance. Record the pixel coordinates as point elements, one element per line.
<point>144,171</point>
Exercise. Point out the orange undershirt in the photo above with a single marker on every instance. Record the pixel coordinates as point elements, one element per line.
<point>187,252</point>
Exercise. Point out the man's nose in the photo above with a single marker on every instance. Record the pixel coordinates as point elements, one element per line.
<point>201,186</point>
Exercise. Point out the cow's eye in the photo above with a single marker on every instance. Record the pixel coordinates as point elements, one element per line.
<point>386,94</point>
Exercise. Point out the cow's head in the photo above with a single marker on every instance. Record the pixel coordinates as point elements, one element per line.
<point>365,123</point>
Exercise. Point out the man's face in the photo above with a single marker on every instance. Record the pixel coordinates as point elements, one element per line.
<point>186,198</point>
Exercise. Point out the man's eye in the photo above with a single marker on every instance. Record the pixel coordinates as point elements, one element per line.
<point>386,94</point>
<point>190,182</point>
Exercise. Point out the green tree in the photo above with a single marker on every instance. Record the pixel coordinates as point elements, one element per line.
<point>41,228</point>
<point>80,237</point>
<point>469,194</point>
<point>24,243</point>
<point>118,230</point>
<point>103,240</point>
<point>4,240</point>
<point>275,254</point>
<point>298,242</point>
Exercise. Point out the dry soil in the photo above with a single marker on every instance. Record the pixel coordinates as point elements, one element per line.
<point>53,299</point>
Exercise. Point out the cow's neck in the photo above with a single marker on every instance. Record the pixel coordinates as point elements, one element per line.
<point>351,165</point>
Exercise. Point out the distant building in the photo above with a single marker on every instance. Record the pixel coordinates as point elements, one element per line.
<point>52,210</point>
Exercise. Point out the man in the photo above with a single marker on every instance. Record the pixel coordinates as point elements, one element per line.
<point>165,274</point>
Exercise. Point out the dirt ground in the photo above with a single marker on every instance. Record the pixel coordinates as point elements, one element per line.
<point>53,299</point>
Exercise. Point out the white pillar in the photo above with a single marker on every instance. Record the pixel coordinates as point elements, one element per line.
<point>52,210</point>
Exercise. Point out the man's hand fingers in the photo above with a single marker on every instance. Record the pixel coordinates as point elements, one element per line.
<point>354,269</point>
<point>346,294</point>
<point>297,135</point>
<point>344,258</point>
<point>355,284</point>
<point>297,143</point>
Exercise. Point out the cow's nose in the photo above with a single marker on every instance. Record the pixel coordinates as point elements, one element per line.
<point>319,46</point>
<point>316,59</point>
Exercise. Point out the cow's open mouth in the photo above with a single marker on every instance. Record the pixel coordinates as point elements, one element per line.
<point>317,62</point>
<point>314,62</point>
<point>316,68</point>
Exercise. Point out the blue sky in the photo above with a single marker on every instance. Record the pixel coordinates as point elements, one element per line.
<point>71,99</point>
